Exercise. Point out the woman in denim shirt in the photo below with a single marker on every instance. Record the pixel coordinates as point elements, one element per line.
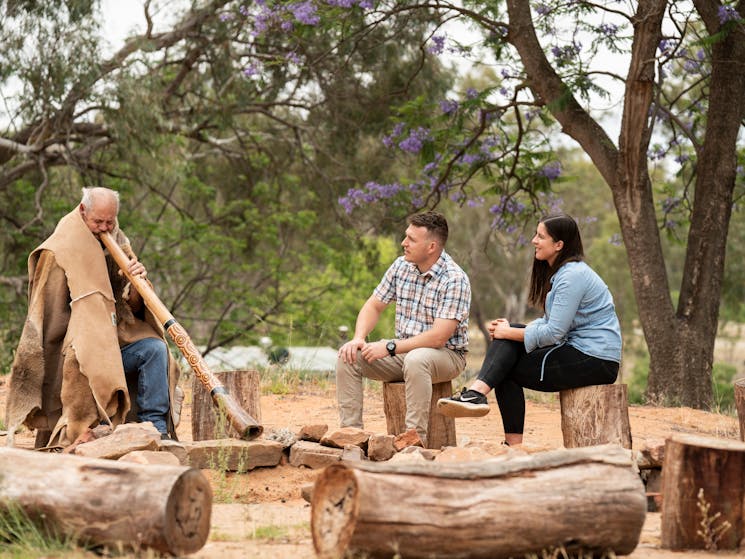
<point>576,343</point>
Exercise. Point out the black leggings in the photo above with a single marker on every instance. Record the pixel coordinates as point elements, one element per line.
<point>508,368</point>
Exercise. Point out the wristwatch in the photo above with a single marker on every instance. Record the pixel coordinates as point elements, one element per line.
<point>391,347</point>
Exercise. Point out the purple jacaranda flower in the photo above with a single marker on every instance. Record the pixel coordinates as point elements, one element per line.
<point>657,153</point>
<point>727,13</point>
<point>470,158</point>
<point>448,106</point>
<point>293,58</point>
<point>252,69</point>
<point>414,142</point>
<point>615,240</point>
<point>471,93</point>
<point>364,4</point>
<point>437,45</point>
<point>551,171</point>
<point>608,29</point>
<point>226,16</point>
<point>372,192</point>
<point>305,12</point>
<point>665,45</point>
<point>542,9</point>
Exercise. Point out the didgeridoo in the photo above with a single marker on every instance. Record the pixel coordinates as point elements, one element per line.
<point>247,426</point>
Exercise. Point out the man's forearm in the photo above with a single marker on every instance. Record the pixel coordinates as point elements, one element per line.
<point>367,318</point>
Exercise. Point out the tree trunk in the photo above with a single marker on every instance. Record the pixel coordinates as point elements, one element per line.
<point>593,415</point>
<point>740,405</point>
<point>109,503</point>
<point>207,423</point>
<point>492,508</point>
<point>703,490</point>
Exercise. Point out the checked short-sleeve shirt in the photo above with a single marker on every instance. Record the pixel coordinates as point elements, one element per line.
<point>443,291</point>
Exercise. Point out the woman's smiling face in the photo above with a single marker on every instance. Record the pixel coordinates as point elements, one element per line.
<point>546,248</point>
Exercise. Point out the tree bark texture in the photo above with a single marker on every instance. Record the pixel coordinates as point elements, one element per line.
<point>740,405</point>
<point>590,499</point>
<point>110,503</point>
<point>700,472</point>
<point>594,415</point>
<point>207,423</point>
<point>440,429</point>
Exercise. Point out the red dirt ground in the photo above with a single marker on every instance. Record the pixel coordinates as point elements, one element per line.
<point>262,515</point>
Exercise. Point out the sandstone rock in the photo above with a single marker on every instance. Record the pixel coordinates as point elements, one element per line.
<point>353,453</point>
<point>652,454</point>
<point>233,455</point>
<point>346,435</point>
<point>125,438</point>
<point>380,447</point>
<point>407,438</point>
<point>312,432</point>
<point>150,457</point>
<point>411,454</point>
<point>313,455</point>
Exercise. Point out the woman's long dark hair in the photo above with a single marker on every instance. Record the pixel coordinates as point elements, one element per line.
<point>561,227</point>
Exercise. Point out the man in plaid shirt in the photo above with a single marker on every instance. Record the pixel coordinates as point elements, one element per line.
<point>433,298</point>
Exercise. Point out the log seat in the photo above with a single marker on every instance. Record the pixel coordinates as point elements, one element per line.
<point>594,415</point>
<point>440,429</point>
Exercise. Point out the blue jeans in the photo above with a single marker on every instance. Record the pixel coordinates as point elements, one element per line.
<point>147,361</point>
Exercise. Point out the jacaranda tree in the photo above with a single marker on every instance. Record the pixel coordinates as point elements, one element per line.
<point>681,73</point>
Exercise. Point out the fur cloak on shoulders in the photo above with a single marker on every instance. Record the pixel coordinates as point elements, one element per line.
<point>67,374</point>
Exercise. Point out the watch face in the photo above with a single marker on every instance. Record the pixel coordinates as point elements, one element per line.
<point>391,346</point>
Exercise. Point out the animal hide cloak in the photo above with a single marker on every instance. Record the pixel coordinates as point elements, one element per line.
<point>67,374</point>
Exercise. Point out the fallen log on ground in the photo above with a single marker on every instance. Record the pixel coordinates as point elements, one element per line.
<point>587,499</point>
<point>109,503</point>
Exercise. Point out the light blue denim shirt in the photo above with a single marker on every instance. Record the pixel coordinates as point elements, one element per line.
<point>579,312</point>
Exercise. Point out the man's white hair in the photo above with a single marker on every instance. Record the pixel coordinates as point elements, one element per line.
<point>93,193</point>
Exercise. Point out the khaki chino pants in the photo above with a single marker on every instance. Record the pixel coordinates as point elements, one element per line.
<point>419,369</point>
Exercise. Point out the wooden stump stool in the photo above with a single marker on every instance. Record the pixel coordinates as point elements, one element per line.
<point>206,421</point>
<point>593,415</point>
<point>703,493</point>
<point>440,429</point>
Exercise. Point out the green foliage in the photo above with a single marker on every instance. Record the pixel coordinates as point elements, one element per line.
<point>723,377</point>
<point>637,383</point>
